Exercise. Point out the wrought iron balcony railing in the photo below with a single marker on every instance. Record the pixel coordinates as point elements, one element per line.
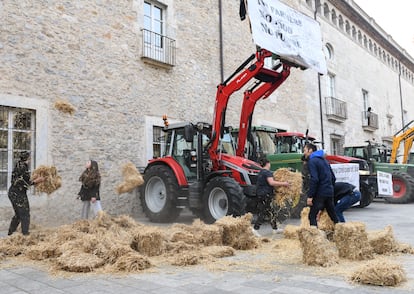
<point>335,109</point>
<point>369,121</point>
<point>158,48</point>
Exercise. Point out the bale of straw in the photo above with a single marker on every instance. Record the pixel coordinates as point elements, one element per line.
<point>148,241</point>
<point>197,233</point>
<point>186,258</point>
<point>131,179</point>
<point>78,261</point>
<point>179,246</point>
<point>304,217</point>
<point>16,244</point>
<point>291,232</point>
<point>317,250</point>
<point>237,232</point>
<point>351,239</point>
<point>52,180</point>
<point>42,251</point>
<point>404,248</point>
<point>113,253</point>
<point>379,273</point>
<point>65,107</point>
<point>382,241</point>
<point>132,262</point>
<point>325,223</point>
<point>287,196</point>
<point>219,251</point>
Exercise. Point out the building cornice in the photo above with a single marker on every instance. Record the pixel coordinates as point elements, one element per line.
<point>360,18</point>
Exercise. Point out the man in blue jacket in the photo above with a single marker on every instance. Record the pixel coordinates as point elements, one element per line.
<point>321,185</point>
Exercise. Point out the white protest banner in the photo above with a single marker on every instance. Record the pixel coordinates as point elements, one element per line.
<point>288,33</point>
<point>346,172</point>
<point>384,181</point>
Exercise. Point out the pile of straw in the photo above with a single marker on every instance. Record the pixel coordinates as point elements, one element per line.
<point>65,107</point>
<point>379,273</point>
<point>113,244</point>
<point>132,179</point>
<point>382,241</point>
<point>52,180</point>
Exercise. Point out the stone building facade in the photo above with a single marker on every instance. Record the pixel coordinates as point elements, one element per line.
<point>122,65</point>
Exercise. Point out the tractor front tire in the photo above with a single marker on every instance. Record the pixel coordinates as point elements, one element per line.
<point>158,194</point>
<point>403,188</point>
<point>222,196</point>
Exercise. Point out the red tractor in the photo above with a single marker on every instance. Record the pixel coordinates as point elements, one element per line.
<point>198,169</point>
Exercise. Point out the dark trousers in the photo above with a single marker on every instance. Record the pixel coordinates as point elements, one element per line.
<point>264,211</point>
<point>319,204</point>
<point>21,208</point>
<point>346,202</point>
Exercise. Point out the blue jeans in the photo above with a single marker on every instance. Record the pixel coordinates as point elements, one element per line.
<point>346,202</point>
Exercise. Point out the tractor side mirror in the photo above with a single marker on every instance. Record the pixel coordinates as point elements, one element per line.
<point>189,133</point>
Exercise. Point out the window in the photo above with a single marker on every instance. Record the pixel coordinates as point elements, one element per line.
<point>365,99</point>
<point>153,22</point>
<point>328,50</point>
<point>156,45</point>
<point>17,134</point>
<point>330,85</point>
<point>337,141</point>
<point>156,141</point>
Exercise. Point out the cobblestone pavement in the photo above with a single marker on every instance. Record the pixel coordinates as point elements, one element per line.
<point>197,279</point>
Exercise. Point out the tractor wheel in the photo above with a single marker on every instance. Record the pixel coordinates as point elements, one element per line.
<point>158,195</point>
<point>222,196</point>
<point>403,188</point>
<point>367,195</point>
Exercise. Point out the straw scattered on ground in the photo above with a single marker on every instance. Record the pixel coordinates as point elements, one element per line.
<point>379,273</point>
<point>119,244</point>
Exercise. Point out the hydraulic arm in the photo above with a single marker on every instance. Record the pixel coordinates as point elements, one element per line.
<point>267,81</point>
<point>406,134</point>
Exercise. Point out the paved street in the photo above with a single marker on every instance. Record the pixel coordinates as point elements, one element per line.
<point>199,279</point>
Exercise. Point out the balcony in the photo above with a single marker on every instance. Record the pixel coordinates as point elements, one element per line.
<point>158,49</point>
<point>335,109</point>
<point>369,121</point>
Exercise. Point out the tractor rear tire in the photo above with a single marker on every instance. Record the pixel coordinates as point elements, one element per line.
<point>403,188</point>
<point>158,194</point>
<point>222,196</point>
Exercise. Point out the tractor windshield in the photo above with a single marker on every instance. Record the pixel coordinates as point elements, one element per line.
<point>290,144</point>
<point>265,143</point>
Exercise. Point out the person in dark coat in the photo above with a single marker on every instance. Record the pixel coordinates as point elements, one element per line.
<point>321,185</point>
<point>265,191</point>
<point>17,193</point>
<point>89,192</point>
<point>346,195</point>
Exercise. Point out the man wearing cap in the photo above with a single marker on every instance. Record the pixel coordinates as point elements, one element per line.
<point>18,194</point>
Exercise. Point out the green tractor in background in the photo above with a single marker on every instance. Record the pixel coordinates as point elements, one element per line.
<point>378,158</point>
<point>285,150</point>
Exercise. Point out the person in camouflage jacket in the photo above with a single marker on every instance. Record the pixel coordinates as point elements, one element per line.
<point>18,194</point>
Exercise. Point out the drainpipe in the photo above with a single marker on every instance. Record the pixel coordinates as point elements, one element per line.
<point>221,40</point>
<point>401,101</point>
<point>320,93</point>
